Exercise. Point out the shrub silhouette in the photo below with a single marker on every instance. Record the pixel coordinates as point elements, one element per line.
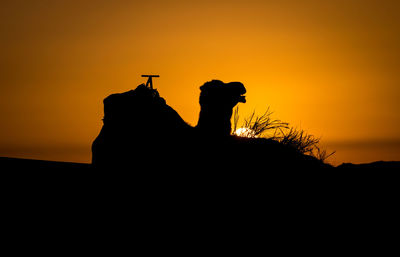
<point>259,125</point>
<point>264,126</point>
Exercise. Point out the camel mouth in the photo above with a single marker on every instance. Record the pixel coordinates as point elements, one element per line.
<point>242,98</point>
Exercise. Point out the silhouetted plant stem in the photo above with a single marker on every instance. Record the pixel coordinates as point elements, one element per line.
<point>258,126</point>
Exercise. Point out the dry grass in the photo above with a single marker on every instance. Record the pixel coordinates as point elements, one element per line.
<point>266,127</point>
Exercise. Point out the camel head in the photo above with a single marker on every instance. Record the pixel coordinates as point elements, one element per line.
<point>217,100</point>
<point>226,95</point>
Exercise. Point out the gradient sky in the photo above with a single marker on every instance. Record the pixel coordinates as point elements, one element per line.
<point>331,68</point>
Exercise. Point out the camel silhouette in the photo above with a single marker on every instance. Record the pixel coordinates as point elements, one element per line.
<point>140,131</point>
<point>136,124</point>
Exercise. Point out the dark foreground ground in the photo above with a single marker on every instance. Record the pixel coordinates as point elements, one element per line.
<point>78,183</point>
<point>58,198</point>
<point>30,164</point>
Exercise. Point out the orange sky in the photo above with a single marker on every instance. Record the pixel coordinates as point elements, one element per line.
<point>329,67</point>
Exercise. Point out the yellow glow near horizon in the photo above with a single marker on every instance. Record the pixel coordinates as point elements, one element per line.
<point>329,67</point>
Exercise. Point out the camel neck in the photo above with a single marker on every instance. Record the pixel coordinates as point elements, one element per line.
<point>216,122</point>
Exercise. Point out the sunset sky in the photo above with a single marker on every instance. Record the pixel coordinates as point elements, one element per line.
<point>331,68</point>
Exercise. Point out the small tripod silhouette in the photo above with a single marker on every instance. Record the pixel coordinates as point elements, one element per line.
<point>149,82</point>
